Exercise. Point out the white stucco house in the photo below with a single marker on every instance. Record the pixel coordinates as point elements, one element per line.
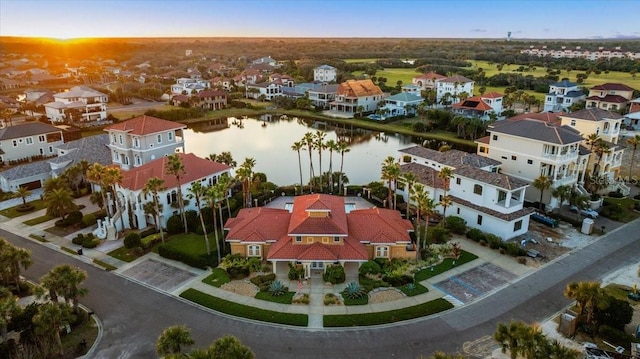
<point>356,96</point>
<point>325,73</point>
<point>427,80</point>
<point>453,86</point>
<point>189,86</point>
<point>562,95</point>
<point>400,104</point>
<point>79,104</point>
<point>485,198</point>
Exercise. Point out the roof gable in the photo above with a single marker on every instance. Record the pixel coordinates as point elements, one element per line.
<point>359,88</point>
<point>145,125</point>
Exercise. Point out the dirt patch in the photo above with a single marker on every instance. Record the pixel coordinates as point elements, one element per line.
<point>247,289</point>
<point>385,295</point>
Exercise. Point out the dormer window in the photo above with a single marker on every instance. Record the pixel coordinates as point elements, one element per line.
<point>298,239</point>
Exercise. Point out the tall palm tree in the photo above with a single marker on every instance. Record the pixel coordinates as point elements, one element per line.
<point>54,183</point>
<point>592,140</point>
<point>331,145</point>
<point>212,198</point>
<point>50,317</point>
<point>308,140</point>
<point>445,174</point>
<point>602,149</point>
<point>509,335</point>
<point>224,157</point>
<point>112,177</point>
<point>410,180</point>
<point>226,182</point>
<point>22,193</point>
<point>153,186</point>
<point>562,193</point>
<point>172,339</point>
<point>320,146</point>
<point>343,147</point>
<point>445,202</point>
<point>589,296</point>
<point>633,142</point>
<point>59,202</point>
<point>9,308</point>
<point>64,281</point>
<point>245,176</point>
<point>13,260</point>
<point>94,175</point>
<point>390,173</point>
<point>175,167</point>
<point>542,183</point>
<point>197,192</point>
<point>299,146</point>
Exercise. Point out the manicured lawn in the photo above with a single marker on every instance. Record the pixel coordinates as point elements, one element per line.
<point>393,75</point>
<point>359,301</point>
<point>191,243</point>
<point>11,212</point>
<point>421,310</point>
<point>626,204</point>
<point>444,266</point>
<point>124,254</point>
<point>104,265</point>
<point>244,311</point>
<point>419,289</point>
<point>38,220</point>
<point>127,114</point>
<point>350,61</point>
<point>217,278</point>
<point>283,299</point>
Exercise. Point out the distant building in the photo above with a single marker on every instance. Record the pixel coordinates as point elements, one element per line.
<point>427,81</point>
<point>325,73</point>
<point>610,96</point>
<point>31,139</point>
<point>356,96</point>
<point>452,87</point>
<point>79,104</point>
<point>189,86</point>
<point>562,95</point>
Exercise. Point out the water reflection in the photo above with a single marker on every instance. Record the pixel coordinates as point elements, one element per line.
<point>268,139</point>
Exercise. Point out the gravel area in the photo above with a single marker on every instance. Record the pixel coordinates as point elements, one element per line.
<point>241,287</point>
<point>385,295</point>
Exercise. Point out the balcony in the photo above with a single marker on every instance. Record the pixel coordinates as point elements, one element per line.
<point>565,180</point>
<point>571,155</point>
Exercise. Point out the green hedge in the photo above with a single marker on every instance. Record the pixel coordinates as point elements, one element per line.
<point>417,311</point>
<point>244,311</point>
<point>201,261</point>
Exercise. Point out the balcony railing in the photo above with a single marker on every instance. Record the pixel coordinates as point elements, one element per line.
<point>571,155</point>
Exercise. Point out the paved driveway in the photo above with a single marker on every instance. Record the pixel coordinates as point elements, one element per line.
<point>158,275</point>
<point>475,282</point>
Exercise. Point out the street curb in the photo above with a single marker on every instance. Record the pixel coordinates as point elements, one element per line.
<point>96,342</point>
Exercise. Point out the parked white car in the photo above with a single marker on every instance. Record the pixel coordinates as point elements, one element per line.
<point>587,212</point>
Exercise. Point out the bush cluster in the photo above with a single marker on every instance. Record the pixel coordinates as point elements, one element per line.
<point>295,272</point>
<point>334,274</point>
<point>89,220</point>
<point>456,224</point>
<point>263,281</point>
<point>611,211</point>
<point>132,240</point>
<point>495,242</point>
<point>199,261</point>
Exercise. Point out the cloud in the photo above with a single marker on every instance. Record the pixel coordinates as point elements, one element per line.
<point>478,30</point>
<point>517,32</point>
<point>546,29</point>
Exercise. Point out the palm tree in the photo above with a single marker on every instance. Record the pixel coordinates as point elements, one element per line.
<point>153,186</point>
<point>542,183</point>
<point>445,174</point>
<point>343,147</point>
<point>588,297</point>
<point>54,183</point>
<point>320,146</point>
<point>230,347</point>
<point>64,281</point>
<point>226,182</point>
<point>562,193</point>
<point>12,260</point>
<point>592,140</point>
<point>175,167</point>
<point>245,175</point>
<point>390,173</point>
<point>555,350</point>
<point>59,202</point>
<point>441,355</point>
<point>112,177</point>
<point>197,192</point>
<point>602,149</point>
<point>299,146</point>
<point>410,179</point>
<point>308,140</point>
<point>9,308</point>
<point>212,197</point>
<point>22,193</point>
<point>49,319</point>
<point>509,335</point>
<point>172,339</point>
<point>445,202</point>
<point>331,145</point>
<point>633,142</point>
<point>94,175</point>
<point>224,157</point>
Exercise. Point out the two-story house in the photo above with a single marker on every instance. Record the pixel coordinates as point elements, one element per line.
<point>356,96</point>
<point>266,90</point>
<point>452,87</point>
<point>189,86</point>
<point>400,104</point>
<point>143,139</point>
<point>325,73</point>
<point>610,96</point>
<point>212,100</point>
<point>481,107</point>
<point>562,95</point>
<point>320,96</point>
<point>265,60</point>
<point>531,148</point>
<point>427,81</point>
<point>485,198</point>
<point>605,160</point>
<point>27,141</point>
<point>318,230</point>
<point>79,104</point>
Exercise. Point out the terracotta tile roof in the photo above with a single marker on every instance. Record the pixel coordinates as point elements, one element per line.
<point>550,117</point>
<point>211,93</point>
<point>302,223</point>
<point>379,225</point>
<point>351,249</point>
<point>451,158</point>
<point>496,179</point>
<point>196,168</point>
<point>537,130</point>
<point>424,174</point>
<point>503,216</point>
<point>593,114</point>
<point>258,224</point>
<point>359,88</point>
<point>492,95</point>
<point>430,76</point>
<point>609,98</point>
<point>181,98</point>
<point>473,103</point>
<point>612,87</point>
<point>145,125</point>
<point>456,78</point>
<point>485,140</point>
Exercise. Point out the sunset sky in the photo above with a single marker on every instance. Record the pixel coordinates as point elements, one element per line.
<point>329,18</point>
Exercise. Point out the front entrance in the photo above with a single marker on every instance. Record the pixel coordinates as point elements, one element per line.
<point>317,265</point>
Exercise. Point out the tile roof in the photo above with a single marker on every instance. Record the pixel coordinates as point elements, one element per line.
<point>521,213</point>
<point>537,130</point>
<point>211,93</point>
<point>195,168</point>
<point>91,149</point>
<point>351,249</point>
<point>492,95</point>
<point>26,129</point>
<point>612,87</point>
<point>26,170</point>
<point>485,140</point>
<point>430,76</point>
<point>145,125</point>
<point>359,88</point>
<point>451,158</point>
<point>594,114</point>
<point>550,117</point>
<point>456,78</point>
<point>424,174</point>
<point>404,96</point>
<point>609,98</point>
<point>564,83</point>
<point>473,103</point>
<point>79,91</point>
<point>389,226</point>
<point>574,94</point>
<point>493,178</point>
<point>258,224</point>
<point>303,222</point>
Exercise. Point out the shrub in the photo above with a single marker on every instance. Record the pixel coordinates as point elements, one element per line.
<point>277,289</point>
<point>238,272</point>
<point>398,280</point>
<point>494,241</point>
<point>354,291</point>
<point>89,220</point>
<point>265,278</point>
<point>522,260</point>
<point>482,242</point>
<point>514,250</point>
<point>295,271</point>
<point>503,251</point>
<point>475,234</point>
<point>61,223</point>
<point>132,240</point>
<point>74,218</point>
<point>438,235</point>
<point>254,264</point>
<point>456,224</point>
<point>193,221</point>
<point>174,225</point>
<point>78,239</point>
<point>615,336</point>
<point>369,267</point>
<point>150,240</point>
<point>615,194</point>
<point>334,274</point>
<point>302,299</point>
<point>199,261</point>
<point>330,299</point>
<point>147,232</point>
<point>90,242</point>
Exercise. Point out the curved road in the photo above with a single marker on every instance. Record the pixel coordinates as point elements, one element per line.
<point>133,315</point>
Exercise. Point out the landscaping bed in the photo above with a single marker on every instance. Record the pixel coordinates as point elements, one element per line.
<point>392,316</point>
<point>444,266</point>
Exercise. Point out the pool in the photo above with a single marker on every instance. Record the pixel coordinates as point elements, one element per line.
<point>348,207</point>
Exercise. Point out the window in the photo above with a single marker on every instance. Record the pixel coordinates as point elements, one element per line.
<point>113,138</point>
<point>253,250</point>
<point>120,139</point>
<point>159,138</point>
<point>477,189</point>
<point>336,239</point>
<point>136,142</point>
<point>458,180</point>
<point>482,149</point>
<point>50,149</point>
<point>495,137</point>
<point>458,210</point>
<point>138,160</point>
<point>42,138</point>
<point>41,151</point>
<point>529,162</point>
<point>514,158</point>
<point>325,240</point>
<point>382,252</point>
<point>298,239</point>
<point>15,143</point>
<point>170,136</point>
<point>479,220</point>
<point>573,122</point>
<point>517,226</point>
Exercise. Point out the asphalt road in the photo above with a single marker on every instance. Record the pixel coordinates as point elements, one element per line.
<point>133,315</point>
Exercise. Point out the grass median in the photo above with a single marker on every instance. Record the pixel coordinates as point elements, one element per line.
<point>244,311</point>
<point>391,316</point>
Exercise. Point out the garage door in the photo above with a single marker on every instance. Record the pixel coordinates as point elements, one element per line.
<point>32,185</point>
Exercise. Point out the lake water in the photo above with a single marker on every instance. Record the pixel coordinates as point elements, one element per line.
<point>269,142</point>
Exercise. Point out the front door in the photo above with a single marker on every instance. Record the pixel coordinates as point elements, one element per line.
<point>317,265</point>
